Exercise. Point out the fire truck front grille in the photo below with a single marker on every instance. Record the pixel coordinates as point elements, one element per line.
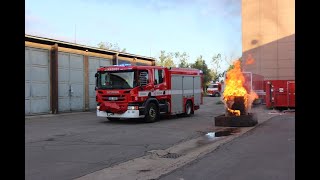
<point>113,98</point>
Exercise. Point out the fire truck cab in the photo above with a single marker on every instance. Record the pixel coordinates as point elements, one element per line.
<point>147,91</point>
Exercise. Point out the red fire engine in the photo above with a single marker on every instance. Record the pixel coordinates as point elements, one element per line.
<point>214,89</point>
<point>147,91</point>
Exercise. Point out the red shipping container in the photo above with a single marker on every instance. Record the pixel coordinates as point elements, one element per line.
<point>280,93</point>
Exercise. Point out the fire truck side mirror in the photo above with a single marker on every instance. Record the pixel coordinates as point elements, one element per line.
<point>96,76</point>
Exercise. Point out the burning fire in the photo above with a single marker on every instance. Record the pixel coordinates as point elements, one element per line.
<point>234,88</point>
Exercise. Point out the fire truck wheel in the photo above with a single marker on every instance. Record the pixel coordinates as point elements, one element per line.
<point>152,113</point>
<point>216,95</point>
<point>189,110</point>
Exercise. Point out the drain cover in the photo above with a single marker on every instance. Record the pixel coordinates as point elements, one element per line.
<point>171,155</point>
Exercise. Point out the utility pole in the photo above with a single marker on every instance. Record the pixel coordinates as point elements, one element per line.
<point>75,33</point>
<point>150,41</point>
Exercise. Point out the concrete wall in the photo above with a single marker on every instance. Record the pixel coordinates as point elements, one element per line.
<point>268,34</point>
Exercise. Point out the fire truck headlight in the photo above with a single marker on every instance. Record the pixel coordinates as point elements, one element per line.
<point>98,107</point>
<point>133,107</point>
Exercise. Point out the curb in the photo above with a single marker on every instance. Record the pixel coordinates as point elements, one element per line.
<point>55,115</point>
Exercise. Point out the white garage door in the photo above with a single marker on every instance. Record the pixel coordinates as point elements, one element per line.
<point>70,82</point>
<point>36,81</point>
<point>94,64</point>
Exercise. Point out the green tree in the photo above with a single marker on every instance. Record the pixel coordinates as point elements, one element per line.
<point>213,75</point>
<point>165,59</point>
<point>201,65</point>
<point>230,67</point>
<point>183,58</point>
<point>111,46</point>
<point>216,64</point>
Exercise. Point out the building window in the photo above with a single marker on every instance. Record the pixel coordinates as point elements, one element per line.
<point>122,62</point>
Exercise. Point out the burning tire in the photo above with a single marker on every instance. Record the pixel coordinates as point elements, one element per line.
<point>152,113</point>
<point>248,120</point>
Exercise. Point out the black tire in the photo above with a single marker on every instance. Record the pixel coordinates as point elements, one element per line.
<point>189,109</point>
<point>216,95</point>
<point>112,119</point>
<point>152,113</point>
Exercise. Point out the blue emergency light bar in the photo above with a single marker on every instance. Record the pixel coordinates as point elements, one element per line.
<point>123,65</point>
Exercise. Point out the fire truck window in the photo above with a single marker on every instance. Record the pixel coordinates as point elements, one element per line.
<point>143,78</point>
<point>105,79</point>
<point>158,76</point>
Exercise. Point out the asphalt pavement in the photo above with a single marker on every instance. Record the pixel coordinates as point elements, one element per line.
<point>265,153</point>
<point>72,145</point>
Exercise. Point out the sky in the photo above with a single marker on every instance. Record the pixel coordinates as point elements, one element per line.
<point>143,27</point>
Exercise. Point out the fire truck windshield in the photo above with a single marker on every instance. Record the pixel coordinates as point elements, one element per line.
<point>116,80</point>
<point>213,86</point>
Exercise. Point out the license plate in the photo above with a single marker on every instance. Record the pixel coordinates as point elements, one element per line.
<point>110,114</point>
<point>113,98</point>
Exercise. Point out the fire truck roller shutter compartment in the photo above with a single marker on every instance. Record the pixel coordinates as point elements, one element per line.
<point>176,94</point>
<point>197,90</point>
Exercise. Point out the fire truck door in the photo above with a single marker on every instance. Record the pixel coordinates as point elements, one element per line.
<point>159,85</point>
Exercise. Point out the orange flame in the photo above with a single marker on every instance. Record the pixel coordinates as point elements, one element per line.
<point>234,112</point>
<point>249,59</point>
<point>234,86</point>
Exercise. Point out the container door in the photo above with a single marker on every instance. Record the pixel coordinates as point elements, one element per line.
<point>280,93</point>
<point>269,92</point>
<point>291,94</point>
